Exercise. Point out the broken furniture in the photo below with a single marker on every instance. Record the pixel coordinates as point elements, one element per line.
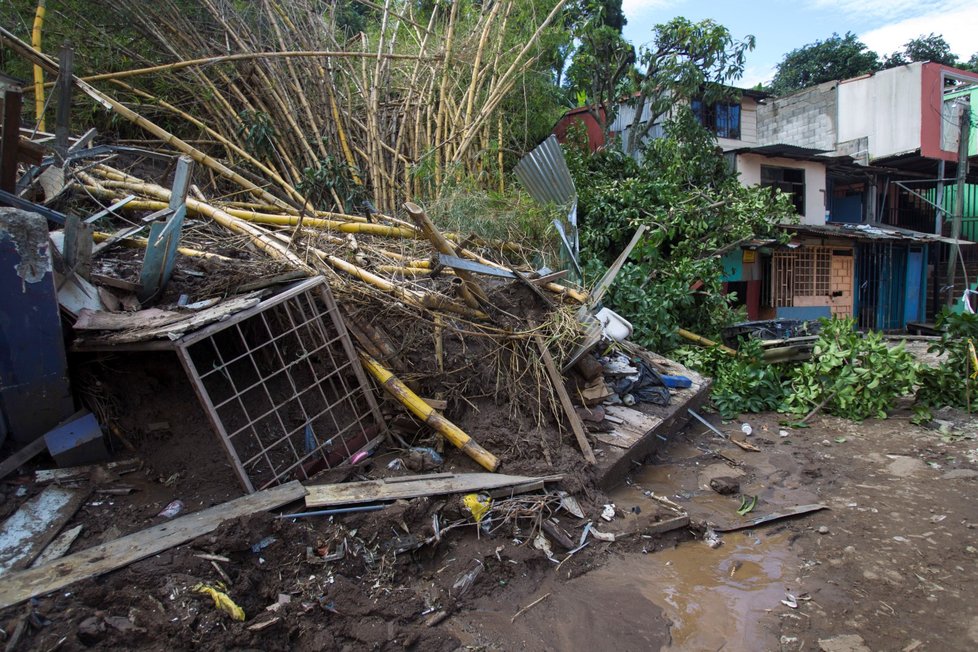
<point>277,378</point>
<point>34,392</point>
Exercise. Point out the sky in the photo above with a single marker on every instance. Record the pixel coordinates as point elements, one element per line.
<point>781,26</point>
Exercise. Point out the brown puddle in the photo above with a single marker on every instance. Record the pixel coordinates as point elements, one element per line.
<point>713,598</point>
<point>717,599</point>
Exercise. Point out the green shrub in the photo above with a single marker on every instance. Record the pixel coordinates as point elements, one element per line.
<point>950,383</point>
<point>851,374</point>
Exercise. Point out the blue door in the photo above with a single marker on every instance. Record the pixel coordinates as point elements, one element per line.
<point>915,285</point>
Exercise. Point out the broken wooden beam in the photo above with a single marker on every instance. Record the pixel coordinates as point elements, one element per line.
<point>352,493</point>
<point>15,587</point>
<point>31,528</point>
<point>557,381</point>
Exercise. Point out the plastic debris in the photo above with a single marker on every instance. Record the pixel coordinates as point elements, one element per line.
<point>221,600</point>
<point>783,433</point>
<point>261,545</point>
<point>570,504</point>
<point>541,543</point>
<point>603,536</point>
<point>746,429</point>
<point>478,505</point>
<point>608,513</point>
<point>172,509</point>
<point>790,601</point>
<point>712,539</point>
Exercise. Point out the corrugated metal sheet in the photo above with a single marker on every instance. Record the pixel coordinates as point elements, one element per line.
<point>544,174</point>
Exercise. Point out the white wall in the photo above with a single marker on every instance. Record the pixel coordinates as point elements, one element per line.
<point>885,107</point>
<point>749,168</point>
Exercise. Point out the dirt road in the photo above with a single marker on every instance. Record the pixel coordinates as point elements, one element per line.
<point>891,565</point>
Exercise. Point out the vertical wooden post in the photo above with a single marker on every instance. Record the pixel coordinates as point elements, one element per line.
<point>62,126</point>
<point>10,139</point>
<point>964,136</point>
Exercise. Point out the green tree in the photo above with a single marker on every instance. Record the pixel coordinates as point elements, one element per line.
<point>685,61</point>
<point>837,57</point>
<point>696,209</point>
<point>932,47</point>
<point>601,63</point>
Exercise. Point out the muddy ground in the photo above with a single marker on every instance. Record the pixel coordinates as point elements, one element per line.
<point>891,565</point>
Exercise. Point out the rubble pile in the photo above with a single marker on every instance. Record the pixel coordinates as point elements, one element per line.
<point>432,397</point>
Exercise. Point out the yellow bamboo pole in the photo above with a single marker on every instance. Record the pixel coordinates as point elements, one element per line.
<point>261,239</point>
<point>38,71</point>
<point>429,415</point>
<point>140,243</point>
<point>702,341</point>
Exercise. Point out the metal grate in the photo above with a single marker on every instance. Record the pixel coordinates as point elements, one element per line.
<point>282,386</point>
<point>803,272</point>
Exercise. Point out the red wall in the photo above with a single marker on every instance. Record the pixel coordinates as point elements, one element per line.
<point>931,97</point>
<point>595,135</point>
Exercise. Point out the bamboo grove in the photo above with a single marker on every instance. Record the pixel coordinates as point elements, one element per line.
<point>292,101</point>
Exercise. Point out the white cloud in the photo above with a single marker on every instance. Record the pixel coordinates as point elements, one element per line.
<point>957,26</point>
<point>632,7</point>
<point>754,75</point>
<point>888,9</point>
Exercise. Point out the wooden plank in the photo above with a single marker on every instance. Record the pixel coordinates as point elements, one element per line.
<point>76,473</point>
<point>10,140</point>
<point>23,456</point>
<point>776,516</point>
<point>351,493</point>
<point>633,422</point>
<point>616,437</point>
<point>26,584</point>
<point>59,547</point>
<point>565,401</point>
<point>32,527</point>
<point>92,320</point>
<point>116,283</point>
<point>176,329</point>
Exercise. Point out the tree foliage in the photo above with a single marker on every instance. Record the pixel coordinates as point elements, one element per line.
<point>685,60</point>
<point>932,47</point>
<point>695,208</point>
<point>601,63</point>
<point>837,57</point>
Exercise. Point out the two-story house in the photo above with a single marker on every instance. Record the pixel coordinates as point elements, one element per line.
<point>863,160</point>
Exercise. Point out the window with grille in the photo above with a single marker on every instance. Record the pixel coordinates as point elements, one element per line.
<point>803,272</point>
<point>721,118</point>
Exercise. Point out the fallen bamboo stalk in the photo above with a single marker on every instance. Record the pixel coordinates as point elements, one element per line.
<point>471,292</point>
<point>428,415</point>
<point>248,56</point>
<point>703,341</point>
<point>32,55</point>
<point>261,239</point>
<point>140,243</point>
<point>557,381</point>
<point>38,71</point>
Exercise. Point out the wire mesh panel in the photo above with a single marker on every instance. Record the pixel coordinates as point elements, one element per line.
<point>283,387</point>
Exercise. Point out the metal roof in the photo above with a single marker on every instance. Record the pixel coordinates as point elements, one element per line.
<point>870,232</point>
